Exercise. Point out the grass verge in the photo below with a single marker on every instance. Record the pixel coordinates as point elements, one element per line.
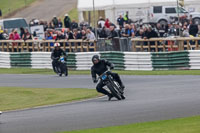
<point>9,6</point>
<point>181,125</point>
<point>49,71</point>
<point>12,98</point>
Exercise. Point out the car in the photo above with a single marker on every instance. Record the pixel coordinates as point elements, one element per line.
<point>163,14</point>
<point>13,23</point>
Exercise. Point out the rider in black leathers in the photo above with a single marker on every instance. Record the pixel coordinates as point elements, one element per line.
<point>55,56</point>
<point>99,67</point>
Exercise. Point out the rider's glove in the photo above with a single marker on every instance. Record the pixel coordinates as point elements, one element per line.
<point>56,58</point>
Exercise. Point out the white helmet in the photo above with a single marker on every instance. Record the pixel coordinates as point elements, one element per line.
<point>56,44</point>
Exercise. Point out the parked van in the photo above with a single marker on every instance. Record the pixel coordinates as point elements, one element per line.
<point>162,14</point>
<point>13,23</point>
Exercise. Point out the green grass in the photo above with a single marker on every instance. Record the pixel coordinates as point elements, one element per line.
<point>8,6</point>
<point>49,71</point>
<point>181,125</point>
<point>12,98</point>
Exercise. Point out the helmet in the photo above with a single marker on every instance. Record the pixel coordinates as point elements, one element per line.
<point>57,45</point>
<point>95,57</point>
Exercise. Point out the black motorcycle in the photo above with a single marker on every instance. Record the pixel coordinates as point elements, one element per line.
<point>112,85</point>
<point>61,67</point>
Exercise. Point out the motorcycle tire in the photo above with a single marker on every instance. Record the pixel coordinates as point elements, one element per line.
<point>114,91</point>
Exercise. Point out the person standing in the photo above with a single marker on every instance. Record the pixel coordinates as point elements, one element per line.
<point>67,21</point>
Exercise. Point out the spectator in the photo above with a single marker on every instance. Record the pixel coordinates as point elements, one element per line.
<point>16,35</point>
<point>128,32</point>
<point>90,35</point>
<point>140,33</point>
<point>49,37</point>
<point>193,29</point>
<point>101,22</point>
<point>1,35</point>
<point>120,21</point>
<point>55,22</point>
<point>185,32</point>
<point>77,34</point>
<point>60,36</point>
<point>67,21</point>
<point>126,18</point>
<point>74,24</point>
<point>83,34</point>
<point>22,32</point>
<point>113,33</point>
<point>60,24</point>
<point>160,29</point>
<point>5,34</point>
<point>107,23</point>
<point>26,35</point>
<point>69,34</point>
<point>103,33</point>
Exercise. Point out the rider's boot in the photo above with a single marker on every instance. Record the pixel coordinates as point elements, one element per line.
<point>110,96</point>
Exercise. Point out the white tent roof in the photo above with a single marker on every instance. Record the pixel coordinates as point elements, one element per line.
<point>85,5</point>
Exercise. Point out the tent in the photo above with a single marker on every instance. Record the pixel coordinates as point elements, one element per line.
<point>112,8</point>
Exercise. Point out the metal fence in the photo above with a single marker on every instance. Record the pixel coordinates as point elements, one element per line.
<point>116,44</point>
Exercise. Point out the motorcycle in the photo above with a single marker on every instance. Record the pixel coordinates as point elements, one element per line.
<point>112,85</point>
<point>61,67</point>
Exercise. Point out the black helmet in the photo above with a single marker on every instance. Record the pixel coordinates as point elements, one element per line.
<point>95,57</point>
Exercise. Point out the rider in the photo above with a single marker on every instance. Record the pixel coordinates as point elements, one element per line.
<point>99,67</point>
<point>55,56</point>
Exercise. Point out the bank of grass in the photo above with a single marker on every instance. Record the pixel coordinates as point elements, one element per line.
<point>49,71</point>
<point>181,125</point>
<point>12,98</point>
<point>9,6</point>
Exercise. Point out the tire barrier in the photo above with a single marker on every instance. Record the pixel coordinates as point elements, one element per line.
<point>122,60</point>
<point>170,60</point>
<point>194,56</point>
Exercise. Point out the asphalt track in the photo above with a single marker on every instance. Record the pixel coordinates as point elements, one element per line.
<point>46,9</point>
<point>149,98</point>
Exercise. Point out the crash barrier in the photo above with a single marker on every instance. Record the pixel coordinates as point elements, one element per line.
<point>137,61</point>
<point>194,56</point>
<point>122,60</point>
<point>46,45</point>
<point>165,44</point>
<point>5,60</point>
<point>170,60</point>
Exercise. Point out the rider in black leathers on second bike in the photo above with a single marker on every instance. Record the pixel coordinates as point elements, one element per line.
<point>55,56</point>
<point>98,68</point>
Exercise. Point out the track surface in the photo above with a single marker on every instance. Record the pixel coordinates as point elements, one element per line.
<point>149,98</point>
<point>46,9</point>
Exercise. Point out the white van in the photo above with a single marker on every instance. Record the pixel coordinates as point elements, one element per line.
<point>162,14</point>
<point>13,23</point>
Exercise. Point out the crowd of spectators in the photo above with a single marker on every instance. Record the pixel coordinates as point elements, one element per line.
<point>57,30</point>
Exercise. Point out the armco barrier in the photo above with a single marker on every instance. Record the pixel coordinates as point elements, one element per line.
<point>170,60</point>
<point>194,56</point>
<point>137,61</point>
<point>4,60</point>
